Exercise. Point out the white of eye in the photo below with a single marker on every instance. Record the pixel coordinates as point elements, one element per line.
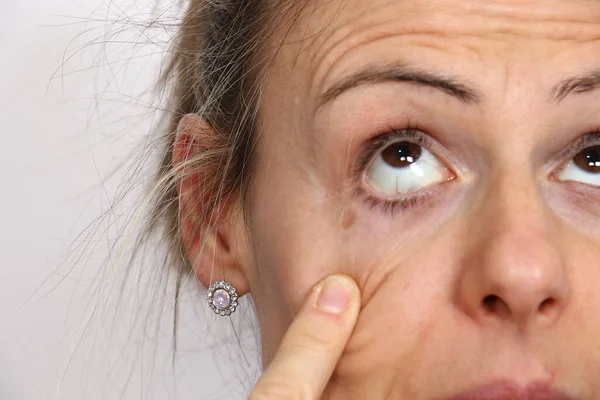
<point>417,172</point>
<point>574,171</point>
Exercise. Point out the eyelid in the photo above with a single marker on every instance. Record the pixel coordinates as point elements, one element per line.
<point>588,140</point>
<point>378,143</point>
<point>566,154</point>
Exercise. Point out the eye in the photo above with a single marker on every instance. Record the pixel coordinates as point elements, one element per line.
<point>584,167</point>
<point>405,167</point>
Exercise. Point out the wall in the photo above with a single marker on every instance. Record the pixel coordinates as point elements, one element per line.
<point>75,105</point>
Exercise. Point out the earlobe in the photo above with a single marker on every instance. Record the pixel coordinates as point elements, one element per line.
<point>212,239</point>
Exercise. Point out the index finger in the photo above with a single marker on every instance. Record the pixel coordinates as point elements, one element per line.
<point>313,344</point>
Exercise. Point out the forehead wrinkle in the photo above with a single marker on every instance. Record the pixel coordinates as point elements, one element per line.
<point>332,58</point>
<point>492,19</point>
<point>342,29</point>
<point>334,48</point>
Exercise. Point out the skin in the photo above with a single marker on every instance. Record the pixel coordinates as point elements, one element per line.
<point>503,227</point>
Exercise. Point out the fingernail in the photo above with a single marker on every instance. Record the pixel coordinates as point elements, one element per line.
<point>335,295</point>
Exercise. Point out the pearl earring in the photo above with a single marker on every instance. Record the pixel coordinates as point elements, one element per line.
<point>222,298</point>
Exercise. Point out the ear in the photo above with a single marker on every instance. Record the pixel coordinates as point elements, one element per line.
<point>214,242</point>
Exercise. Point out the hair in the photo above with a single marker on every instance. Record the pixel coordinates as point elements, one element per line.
<point>217,64</point>
<point>214,66</point>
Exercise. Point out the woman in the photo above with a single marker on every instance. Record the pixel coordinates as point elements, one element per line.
<point>440,157</point>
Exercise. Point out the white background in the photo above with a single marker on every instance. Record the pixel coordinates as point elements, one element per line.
<point>74,104</point>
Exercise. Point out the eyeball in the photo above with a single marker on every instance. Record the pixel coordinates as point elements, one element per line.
<point>583,168</point>
<point>405,167</point>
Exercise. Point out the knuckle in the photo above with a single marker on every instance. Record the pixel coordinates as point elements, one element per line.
<point>313,350</point>
<point>279,389</point>
<point>316,340</point>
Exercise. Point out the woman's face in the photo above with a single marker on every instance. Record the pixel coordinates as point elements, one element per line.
<point>446,155</point>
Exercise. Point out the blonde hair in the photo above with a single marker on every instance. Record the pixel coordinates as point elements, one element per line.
<point>217,64</point>
<point>214,67</point>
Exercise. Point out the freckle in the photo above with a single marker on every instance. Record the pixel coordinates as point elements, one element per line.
<point>348,219</point>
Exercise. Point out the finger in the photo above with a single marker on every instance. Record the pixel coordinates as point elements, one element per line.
<point>313,344</point>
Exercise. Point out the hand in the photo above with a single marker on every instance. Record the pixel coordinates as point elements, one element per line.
<point>313,344</point>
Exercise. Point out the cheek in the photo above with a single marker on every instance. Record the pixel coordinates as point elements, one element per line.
<point>297,240</point>
<point>405,311</point>
<point>302,231</point>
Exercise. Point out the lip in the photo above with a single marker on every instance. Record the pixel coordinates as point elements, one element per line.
<point>508,390</point>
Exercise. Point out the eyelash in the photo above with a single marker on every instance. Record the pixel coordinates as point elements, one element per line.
<point>377,144</point>
<point>589,139</point>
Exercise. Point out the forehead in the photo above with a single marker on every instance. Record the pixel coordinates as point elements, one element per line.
<point>335,37</point>
<point>343,23</point>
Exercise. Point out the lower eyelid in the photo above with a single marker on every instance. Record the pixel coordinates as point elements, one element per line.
<point>396,205</point>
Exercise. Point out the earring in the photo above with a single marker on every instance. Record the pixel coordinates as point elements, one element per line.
<point>222,298</point>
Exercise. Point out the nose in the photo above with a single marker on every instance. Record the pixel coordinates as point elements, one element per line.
<point>513,268</point>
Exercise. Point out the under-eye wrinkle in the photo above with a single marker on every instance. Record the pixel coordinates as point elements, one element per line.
<point>395,206</point>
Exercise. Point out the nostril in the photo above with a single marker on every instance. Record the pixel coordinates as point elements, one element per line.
<point>546,305</point>
<point>490,302</point>
<point>494,304</point>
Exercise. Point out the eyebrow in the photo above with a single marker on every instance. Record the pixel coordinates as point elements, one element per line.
<point>402,73</point>
<point>579,84</point>
<point>451,85</point>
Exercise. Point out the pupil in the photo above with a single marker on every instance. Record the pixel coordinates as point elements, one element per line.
<point>403,154</point>
<point>589,159</point>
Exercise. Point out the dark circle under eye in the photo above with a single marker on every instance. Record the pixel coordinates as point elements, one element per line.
<point>401,154</point>
<point>589,159</point>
